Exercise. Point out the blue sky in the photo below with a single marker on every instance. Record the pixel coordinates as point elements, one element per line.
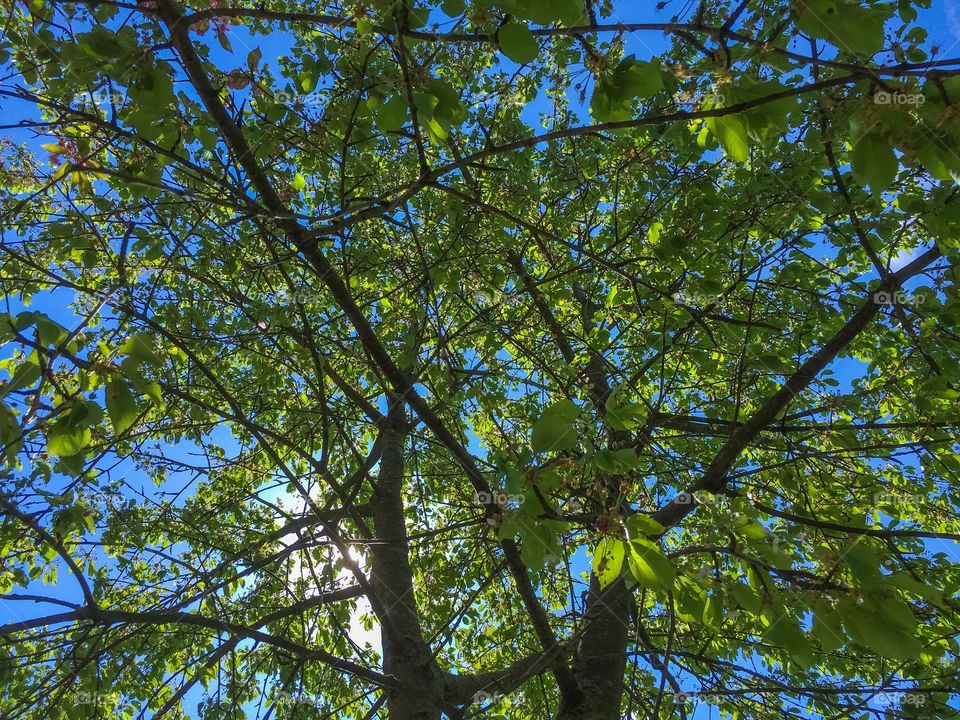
<point>942,21</point>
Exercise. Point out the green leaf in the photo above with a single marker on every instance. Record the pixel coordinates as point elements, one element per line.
<point>73,519</point>
<point>608,560</point>
<point>49,331</point>
<point>907,582</point>
<point>8,328</point>
<point>938,160</point>
<point>640,526</point>
<point>845,23</point>
<point>616,462</point>
<point>540,544</point>
<point>121,405</point>
<point>102,43</point>
<point>11,437</point>
<point>649,566</point>
<point>874,162</point>
<point>554,430</point>
<point>131,370</point>
<point>417,15</point>
<point>453,8</point>
<point>518,43</point>
<point>140,347</point>
<point>713,609</point>
<point>868,626</point>
<point>26,374</point>
<point>827,628</point>
<point>392,115</point>
<point>66,439</point>
<point>653,232</point>
<point>891,643</point>
<point>732,134</point>
<point>896,612</point>
<point>638,79</point>
<point>84,413</point>
<point>426,105</point>
<point>224,40</point>
<point>547,12</point>
<point>624,415</point>
<point>785,633</point>
<point>613,96</point>
<point>449,110</point>
<point>750,528</point>
<point>311,71</point>
<point>746,597</point>
<point>690,599</point>
<point>862,561</point>
<point>605,108</point>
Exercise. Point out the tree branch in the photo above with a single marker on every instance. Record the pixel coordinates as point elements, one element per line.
<point>714,477</point>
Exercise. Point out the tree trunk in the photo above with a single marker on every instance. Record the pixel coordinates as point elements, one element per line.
<point>601,658</point>
<point>602,654</point>
<point>406,656</point>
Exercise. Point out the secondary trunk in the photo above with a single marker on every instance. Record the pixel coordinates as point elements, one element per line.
<point>406,656</point>
<point>602,655</point>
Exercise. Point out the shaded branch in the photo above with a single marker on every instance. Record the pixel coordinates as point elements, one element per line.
<point>715,476</point>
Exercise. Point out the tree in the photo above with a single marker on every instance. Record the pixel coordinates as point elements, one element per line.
<point>310,327</point>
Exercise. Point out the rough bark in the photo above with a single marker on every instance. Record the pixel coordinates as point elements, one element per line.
<point>601,657</point>
<point>406,656</point>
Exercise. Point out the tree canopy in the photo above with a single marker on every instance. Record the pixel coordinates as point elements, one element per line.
<point>503,359</point>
